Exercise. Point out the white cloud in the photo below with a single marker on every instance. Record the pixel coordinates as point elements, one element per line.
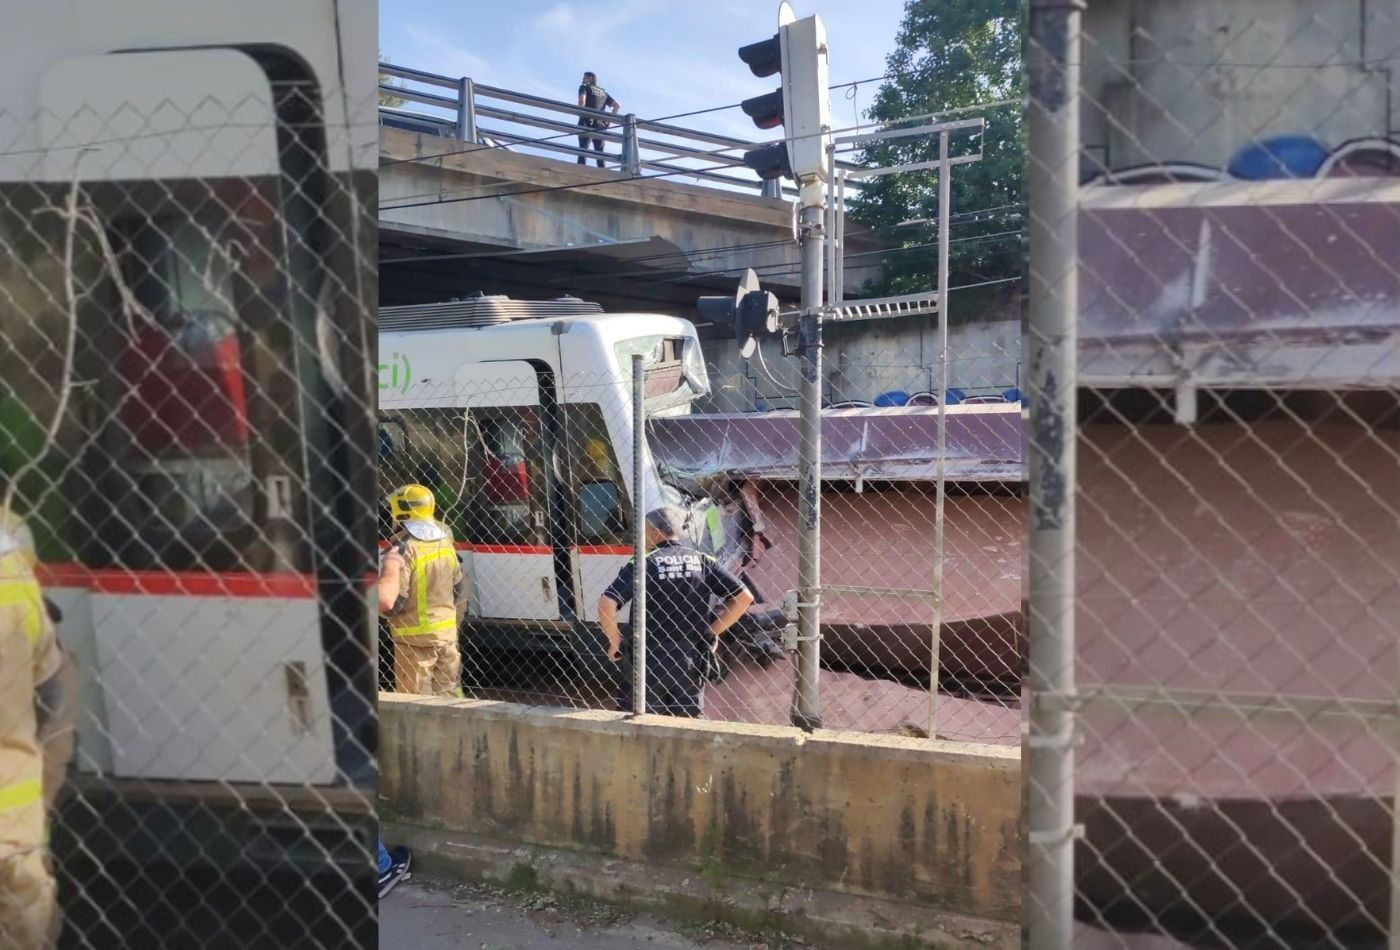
<point>432,51</point>
<point>560,20</point>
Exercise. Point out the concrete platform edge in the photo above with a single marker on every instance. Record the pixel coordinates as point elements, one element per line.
<point>850,920</point>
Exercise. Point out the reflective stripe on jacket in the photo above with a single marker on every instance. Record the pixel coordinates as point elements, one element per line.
<point>430,574</point>
<point>29,655</point>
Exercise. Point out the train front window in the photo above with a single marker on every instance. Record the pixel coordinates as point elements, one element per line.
<point>675,369</point>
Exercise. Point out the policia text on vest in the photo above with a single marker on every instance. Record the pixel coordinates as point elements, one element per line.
<point>432,598</point>
<point>681,626</point>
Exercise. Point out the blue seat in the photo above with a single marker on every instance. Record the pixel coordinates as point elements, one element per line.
<point>1279,156</point>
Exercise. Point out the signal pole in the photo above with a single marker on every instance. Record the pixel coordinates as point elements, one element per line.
<point>807,156</point>
<point>806,712</point>
<point>802,106</point>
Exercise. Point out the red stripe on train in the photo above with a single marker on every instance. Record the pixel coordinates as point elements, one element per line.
<point>506,548</point>
<point>621,549</point>
<point>625,550</point>
<point>285,584</point>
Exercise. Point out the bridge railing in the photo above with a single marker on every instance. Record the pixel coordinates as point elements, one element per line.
<point>477,114</point>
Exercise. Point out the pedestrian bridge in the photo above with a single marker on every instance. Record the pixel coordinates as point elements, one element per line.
<point>480,189</point>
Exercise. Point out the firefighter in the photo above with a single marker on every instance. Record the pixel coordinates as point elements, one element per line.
<point>681,628</point>
<point>33,680</point>
<point>432,598</point>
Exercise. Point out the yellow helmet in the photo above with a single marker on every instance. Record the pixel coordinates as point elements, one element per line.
<point>411,502</point>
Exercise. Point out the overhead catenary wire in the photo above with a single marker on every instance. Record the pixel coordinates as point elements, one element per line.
<point>784,268</point>
<point>679,254</point>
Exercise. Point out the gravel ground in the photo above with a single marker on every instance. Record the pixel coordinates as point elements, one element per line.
<point>424,914</point>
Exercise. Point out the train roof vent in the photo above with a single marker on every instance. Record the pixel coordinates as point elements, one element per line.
<point>480,310</point>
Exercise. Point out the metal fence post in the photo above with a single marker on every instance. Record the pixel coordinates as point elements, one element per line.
<point>466,110</point>
<point>639,538</point>
<point>1054,178</point>
<point>940,490</point>
<point>1395,857</point>
<point>631,155</point>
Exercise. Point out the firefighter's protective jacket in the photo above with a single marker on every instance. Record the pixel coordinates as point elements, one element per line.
<point>429,582</point>
<point>29,656</point>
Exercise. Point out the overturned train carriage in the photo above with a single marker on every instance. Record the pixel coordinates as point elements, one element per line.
<point>879,468</point>
<point>1238,604</point>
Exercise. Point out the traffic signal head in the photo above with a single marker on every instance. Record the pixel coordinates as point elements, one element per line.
<point>801,105</point>
<point>764,58</point>
<point>765,110</point>
<point>751,311</point>
<point>769,161</point>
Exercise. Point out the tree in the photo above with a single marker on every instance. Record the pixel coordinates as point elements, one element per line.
<point>385,99</point>
<point>951,56</point>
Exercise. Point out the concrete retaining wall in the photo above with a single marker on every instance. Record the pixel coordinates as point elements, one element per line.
<point>891,819</point>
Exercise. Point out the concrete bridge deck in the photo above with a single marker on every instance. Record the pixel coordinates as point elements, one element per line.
<point>455,218</point>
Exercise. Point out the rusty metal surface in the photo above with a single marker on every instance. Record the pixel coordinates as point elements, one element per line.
<point>885,539</point>
<point>984,443</point>
<point>1228,561</point>
<point>1172,285</point>
<point>1191,266</point>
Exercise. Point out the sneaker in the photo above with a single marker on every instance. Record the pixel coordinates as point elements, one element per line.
<point>400,863</point>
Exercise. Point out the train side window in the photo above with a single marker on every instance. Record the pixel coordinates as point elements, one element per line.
<point>604,513</point>
<point>508,500</point>
<point>180,487</point>
<point>428,447</point>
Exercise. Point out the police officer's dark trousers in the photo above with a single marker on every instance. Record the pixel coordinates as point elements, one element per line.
<point>673,682</point>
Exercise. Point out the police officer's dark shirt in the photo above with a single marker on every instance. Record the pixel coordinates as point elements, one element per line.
<point>594,97</point>
<point>680,583</point>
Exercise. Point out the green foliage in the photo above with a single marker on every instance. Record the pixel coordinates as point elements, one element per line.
<point>392,102</point>
<point>951,56</point>
<point>523,877</point>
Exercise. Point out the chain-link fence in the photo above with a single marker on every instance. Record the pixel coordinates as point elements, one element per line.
<point>530,451</point>
<point>1237,547</point>
<point>185,429</point>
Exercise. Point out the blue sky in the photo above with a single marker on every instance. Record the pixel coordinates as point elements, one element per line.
<point>657,57</point>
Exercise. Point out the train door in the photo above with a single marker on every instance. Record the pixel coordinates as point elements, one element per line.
<point>482,449</point>
<point>209,591</point>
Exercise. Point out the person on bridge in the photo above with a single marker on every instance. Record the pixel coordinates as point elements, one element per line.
<point>593,96</point>
<point>681,628</point>
<point>431,599</point>
<point>36,707</point>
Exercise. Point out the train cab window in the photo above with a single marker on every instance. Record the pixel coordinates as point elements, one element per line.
<point>675,370</point>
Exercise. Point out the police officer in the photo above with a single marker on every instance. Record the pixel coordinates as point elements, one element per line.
<point>33,681</point>
<point>681,628</point>
<point>431,598</point>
